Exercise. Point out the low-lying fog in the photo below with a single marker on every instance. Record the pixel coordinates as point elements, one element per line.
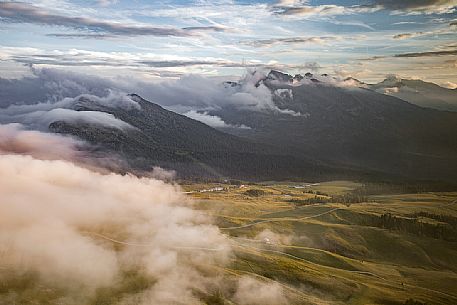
<point>67,232</point>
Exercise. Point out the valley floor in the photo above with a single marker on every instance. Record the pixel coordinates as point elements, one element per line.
<point>329,243</point>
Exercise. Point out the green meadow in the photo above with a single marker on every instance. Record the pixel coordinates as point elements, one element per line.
<point>339,242</point>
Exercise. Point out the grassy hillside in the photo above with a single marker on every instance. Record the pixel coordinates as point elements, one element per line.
<point>378,246</point>
<point>385,249</point>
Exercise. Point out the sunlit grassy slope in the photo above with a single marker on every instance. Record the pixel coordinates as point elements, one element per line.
<point>324,243</point>
<point>382,249</point>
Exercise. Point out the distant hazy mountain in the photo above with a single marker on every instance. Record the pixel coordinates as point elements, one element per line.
<point>353,127</point>
<point>418,92</point>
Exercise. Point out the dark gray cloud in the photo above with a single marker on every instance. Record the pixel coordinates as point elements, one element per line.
<point>86,59</point>
<point>291,40</point>
<point>81,35</point>
<point>205,28</point>
<point>415,5</point>
<point>20,12</point>
<point>302,8</point>
<point>428,54</point>
<point>306,10</point>
<point>62,60</point>
<point>416,54</point>
<point>408,35</point>
<point>187,63</point>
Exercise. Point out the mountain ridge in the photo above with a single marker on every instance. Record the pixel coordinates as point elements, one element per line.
<point>418,92</point>
<point>163,138</point>
<point>311,130</point>
<point>355,127</point>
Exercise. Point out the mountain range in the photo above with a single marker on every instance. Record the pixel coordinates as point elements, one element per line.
<point>159,137</point>
<point>354,127</point>
<point>318,130</point>
<point>418,92</point>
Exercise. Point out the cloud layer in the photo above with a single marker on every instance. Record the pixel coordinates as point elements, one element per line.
<point>56,218</point>
<point>20,12</point>
<point>55,94</point>
<point>14,139</point>
<point>211,120</point>
<point>418,6</point>
<point>302,8</point>
<point>39,115</point>
<point>195,37</point>
<point>89,236</point>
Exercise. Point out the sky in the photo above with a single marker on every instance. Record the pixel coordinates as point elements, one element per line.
<point>366,39</point>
